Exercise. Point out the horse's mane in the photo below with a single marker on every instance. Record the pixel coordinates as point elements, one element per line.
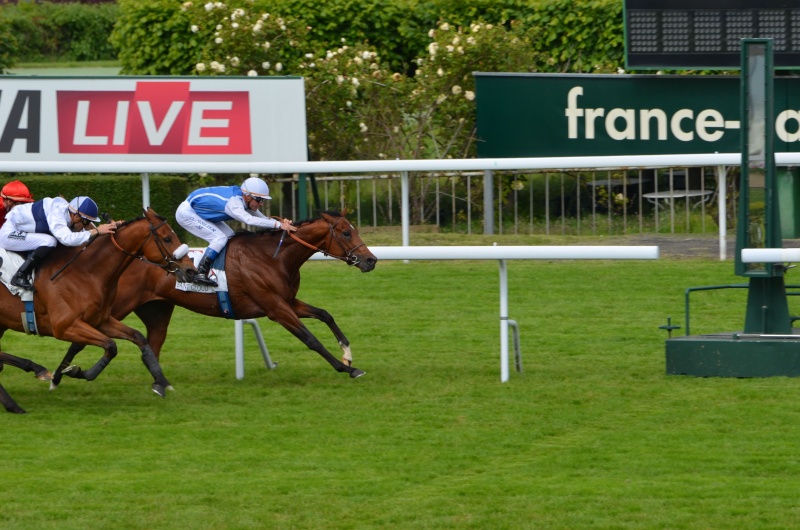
<point>246,233</point>
<point>160,218</point>
<point>131,221</point>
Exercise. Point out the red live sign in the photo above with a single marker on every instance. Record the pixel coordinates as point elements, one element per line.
<point>156,118</point>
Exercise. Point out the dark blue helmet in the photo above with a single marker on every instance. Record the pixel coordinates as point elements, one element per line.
<point>85,207</point>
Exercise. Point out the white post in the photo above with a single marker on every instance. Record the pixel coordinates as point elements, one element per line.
<point>488,202</point>
<point>239,347</point>
<point>503,321</point>
<point>722,200</point>
<point>145,190</point>
<point>405,214</point>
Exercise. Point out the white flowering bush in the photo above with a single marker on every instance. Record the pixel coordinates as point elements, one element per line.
<point>359,109</point>
<point>356,107</point>
<point>244,41</point>
<point>445,85</point>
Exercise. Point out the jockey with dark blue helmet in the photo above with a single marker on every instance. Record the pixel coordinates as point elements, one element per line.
<point>39,226</point>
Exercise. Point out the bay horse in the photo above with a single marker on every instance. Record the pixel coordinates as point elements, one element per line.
<point>75,287</point>
<point>263,276</point>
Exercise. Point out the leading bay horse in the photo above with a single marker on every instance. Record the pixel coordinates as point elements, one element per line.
<point>263,275</point>
<point>75,287</point>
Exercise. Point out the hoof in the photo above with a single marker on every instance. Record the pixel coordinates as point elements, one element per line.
<point>44,375</point>
<point>53,386</point>
<point>17,410</point>
<point>356,373</point>
<point>158,389</point>
<point>171,388</point>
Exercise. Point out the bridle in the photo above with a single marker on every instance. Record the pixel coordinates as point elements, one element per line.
<point>349,257</point>
<point>167,262</point>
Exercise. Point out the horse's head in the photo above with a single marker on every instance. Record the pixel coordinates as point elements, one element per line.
<point>345,243</point>
<point>154,241</point>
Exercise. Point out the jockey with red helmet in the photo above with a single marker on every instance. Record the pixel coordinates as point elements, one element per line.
<point>13,193</point>
<point>204,212</point>
<point>39,226</point>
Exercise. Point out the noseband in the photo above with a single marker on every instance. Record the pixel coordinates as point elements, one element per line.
<point>166,263</point>
<point>349,257</point>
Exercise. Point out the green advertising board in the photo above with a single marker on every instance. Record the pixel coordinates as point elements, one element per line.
<point>545,115</point>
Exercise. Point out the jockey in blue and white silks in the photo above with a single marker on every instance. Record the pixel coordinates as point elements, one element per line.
<point>205,210</point>
<point>40,225</point>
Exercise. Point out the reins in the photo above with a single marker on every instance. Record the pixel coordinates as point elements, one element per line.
<point>348,258</point>
<point>167,262</point>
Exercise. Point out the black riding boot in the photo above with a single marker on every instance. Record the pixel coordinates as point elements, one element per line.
<point>202,272</point>
<point>23,276</point>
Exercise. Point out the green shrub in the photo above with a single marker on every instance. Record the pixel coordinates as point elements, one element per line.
<point>154,37</point>
<point>9,48</point>
<point>61,32</point>
<point>118,195</point>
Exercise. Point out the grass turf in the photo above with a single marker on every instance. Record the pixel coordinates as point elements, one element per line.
<point>592,434</point>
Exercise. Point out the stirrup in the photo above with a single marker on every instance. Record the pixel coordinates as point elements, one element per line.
<point>204,280</point>
<point>23,282</point>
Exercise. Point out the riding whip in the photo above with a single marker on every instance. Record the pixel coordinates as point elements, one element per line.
<point>278,249</point>
<point>67,264</point>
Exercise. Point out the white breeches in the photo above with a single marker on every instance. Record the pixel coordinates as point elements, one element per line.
<point>12,239</point>
<point>217,234</point>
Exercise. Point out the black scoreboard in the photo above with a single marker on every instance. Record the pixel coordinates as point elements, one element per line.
<point>707,34</point>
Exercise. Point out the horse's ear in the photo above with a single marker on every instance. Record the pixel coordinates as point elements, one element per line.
<point>344,211</point>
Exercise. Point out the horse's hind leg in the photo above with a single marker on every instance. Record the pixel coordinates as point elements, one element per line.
<point>26,365</point>
<point>115,328</point>
<point>304,310</point>
<point>8,402</point>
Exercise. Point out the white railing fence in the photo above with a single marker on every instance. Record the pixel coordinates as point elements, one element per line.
<point>564,165</point>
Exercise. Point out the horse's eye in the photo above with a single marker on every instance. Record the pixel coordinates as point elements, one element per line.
<point>168,239</point>
<point>346,233</point>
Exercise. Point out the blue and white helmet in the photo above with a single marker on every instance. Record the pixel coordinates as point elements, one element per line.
<point>256,187</point>
<point>85,207</point>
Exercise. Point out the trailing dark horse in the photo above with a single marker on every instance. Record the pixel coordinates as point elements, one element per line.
<point>75,287</point>
<point>263,274</point>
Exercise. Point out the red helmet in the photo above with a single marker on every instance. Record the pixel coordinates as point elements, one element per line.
<point>16,191</point>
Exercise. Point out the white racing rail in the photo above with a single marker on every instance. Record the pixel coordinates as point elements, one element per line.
<point>499,253</point>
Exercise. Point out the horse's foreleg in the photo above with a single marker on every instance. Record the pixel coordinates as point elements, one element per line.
<point>74,349</point>
<point>80,334</point>
<point>91,374</point>
<point>304,310</point>
<point>289,320</point>
<point>26,365</point>
<point>115,328</point>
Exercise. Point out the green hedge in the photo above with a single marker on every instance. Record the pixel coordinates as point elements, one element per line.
<point>46,31</point>
<point>118,195</point>
<point>154,36</point>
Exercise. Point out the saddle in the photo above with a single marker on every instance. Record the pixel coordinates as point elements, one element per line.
<point>9,263</point>
<point>217,273</point>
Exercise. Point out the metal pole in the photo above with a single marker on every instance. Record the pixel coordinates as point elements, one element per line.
<point>238,331</point>
<point>722,201</point>
<point>145,190</point>
<point>238,341</point>
<point>488,202</point>
<point>405,210</point>
<point>503,321</point>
